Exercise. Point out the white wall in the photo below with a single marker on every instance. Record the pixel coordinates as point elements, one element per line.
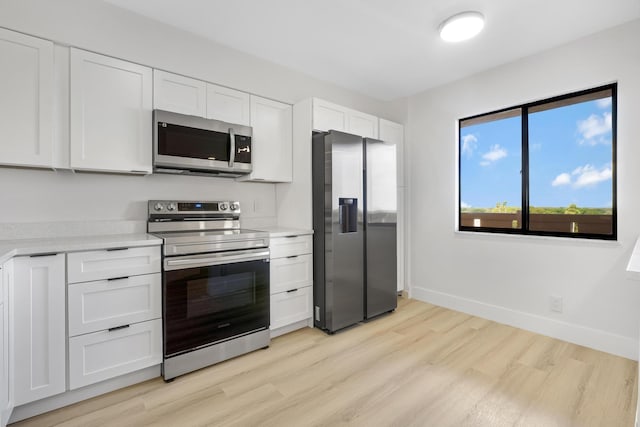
<point>510,278</point>
<point>103,28</point>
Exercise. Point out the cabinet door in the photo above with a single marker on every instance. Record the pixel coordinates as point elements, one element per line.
<point>272,142</point>
<point>328,116</point>
<point>26,104</point>
<point>38,291</point>
<point>362,124</point>
<point>184,95</point>
<point>4,346</point>
<point>228,105</point>
<point>394,132</point>
<point>110,114</point>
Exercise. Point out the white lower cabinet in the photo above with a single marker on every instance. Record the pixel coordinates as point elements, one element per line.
<point>291,306</point>
<point>39,341</point>
<point>6,395</point>
<point>291,282</point>
<point>115,322</point>
<point>106,354</point>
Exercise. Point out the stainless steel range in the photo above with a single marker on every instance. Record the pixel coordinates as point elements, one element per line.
<point>215,283</point>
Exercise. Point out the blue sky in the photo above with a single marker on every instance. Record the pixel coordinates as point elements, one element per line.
<point>570,158</point>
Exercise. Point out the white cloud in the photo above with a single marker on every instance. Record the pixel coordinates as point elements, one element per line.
<point>588,176</point>
<point>493,155</point>
<point>595,128</point>
<point>583,176</point>
<point>469,144</point>
<point>464,205</point>
<point>562,179</point>
<point>603,103</point>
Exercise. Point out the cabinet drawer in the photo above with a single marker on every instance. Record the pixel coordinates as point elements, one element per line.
<point>291,307</point>
<point>107,354</point>
<point>290,245</point>
<point>94,306</point>
<point>291,273</point>
<point>108,264</point>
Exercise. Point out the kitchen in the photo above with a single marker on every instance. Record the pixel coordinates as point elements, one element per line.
<point>601,314</point>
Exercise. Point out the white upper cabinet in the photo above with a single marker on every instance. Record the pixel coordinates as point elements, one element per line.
<point>228,105</point>
<point>394,132</point>
<point>363,124</point>
<point>172,92</point>
<point>26,104</point>
<point>328,116</point>
<point>110,114</point>
<point>272,141</point>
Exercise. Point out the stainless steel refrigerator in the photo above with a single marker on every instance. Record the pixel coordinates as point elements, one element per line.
<point>354,221</point>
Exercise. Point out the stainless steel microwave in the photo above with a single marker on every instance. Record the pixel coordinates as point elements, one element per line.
<point>185,144</point>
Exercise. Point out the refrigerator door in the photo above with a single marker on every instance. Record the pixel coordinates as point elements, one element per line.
<point>338,230</point>
<point>381,211</point>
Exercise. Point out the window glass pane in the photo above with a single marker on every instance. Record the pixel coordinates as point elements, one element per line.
<point>571,166</point>
<point>490,165</point>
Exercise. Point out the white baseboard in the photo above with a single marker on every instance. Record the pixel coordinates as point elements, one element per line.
<point>576,334</point>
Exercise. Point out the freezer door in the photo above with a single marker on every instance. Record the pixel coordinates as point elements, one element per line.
<point>381,212</point>
<point>338,215</point>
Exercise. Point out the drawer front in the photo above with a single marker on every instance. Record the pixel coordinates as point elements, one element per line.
<point>94,306</point>
<point>291,273</point>
<point>291,307</point>
<point>107,264</point>
<point>287,246</point>
<point>107,354</point>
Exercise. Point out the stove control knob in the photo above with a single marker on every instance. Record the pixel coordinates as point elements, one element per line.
<point>235,206</point>
<point>223,206</point>
<point>171,207</point>
<point>157,206</point>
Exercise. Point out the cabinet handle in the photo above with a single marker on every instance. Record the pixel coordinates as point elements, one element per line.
<point>117,249</point>
<point>292,256</point>
<point>42,255</point>
<point>292,290</point>
<point>118,327</point>
<point>290,237</point>
<point>117,278</point>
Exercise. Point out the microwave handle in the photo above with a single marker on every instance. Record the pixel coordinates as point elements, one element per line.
<point>232,156</point>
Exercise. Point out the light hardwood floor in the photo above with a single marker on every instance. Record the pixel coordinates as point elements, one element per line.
<point>419,366</point>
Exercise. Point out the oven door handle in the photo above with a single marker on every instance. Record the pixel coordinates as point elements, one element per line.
<point>214,259</point>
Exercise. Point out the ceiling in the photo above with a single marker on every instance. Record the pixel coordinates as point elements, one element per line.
<point>386,49</point>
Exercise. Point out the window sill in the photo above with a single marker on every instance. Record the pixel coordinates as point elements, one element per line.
<point>580,241</point>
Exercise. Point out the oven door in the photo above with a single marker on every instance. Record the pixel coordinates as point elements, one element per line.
<point>210,298</point>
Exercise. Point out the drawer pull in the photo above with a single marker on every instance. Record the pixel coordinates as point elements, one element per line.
<point>290,237</point>
<point>111,279</point>
<point>292,256</point>
<point>118,327</point>
<point>292,290</point>
<point>42,255</point>
<point>117,249</point>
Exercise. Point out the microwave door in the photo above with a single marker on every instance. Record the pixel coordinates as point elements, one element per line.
<point>191,148</point>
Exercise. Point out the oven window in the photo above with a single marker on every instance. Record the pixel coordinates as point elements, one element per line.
<point>204,305</point>
<point>211,295</point>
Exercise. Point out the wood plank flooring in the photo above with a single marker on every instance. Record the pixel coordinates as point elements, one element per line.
<point>419,366</point>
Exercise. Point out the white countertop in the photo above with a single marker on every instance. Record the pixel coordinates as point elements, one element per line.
<point>11,248</point>
<point>285,231</point>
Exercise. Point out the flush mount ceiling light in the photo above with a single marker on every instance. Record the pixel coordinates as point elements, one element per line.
<point>462,26</point>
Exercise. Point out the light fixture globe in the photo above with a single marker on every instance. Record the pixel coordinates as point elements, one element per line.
<point>462,26</point>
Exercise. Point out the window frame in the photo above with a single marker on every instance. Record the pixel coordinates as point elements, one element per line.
<point>524,108</point>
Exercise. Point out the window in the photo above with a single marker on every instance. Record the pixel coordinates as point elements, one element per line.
<point>545,168</point>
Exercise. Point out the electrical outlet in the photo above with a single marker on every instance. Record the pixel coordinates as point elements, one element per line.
<point>555,303</point>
